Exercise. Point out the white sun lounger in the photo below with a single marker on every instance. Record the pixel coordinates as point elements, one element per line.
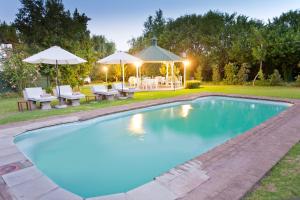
<point>67,94</point>
<point>125,91</point>
<point>102,92</point>
<point>34,95</point>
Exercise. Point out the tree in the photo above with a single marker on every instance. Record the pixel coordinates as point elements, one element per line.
<point>101,46</point>
<point>18,74</point>
<point>211,38</point>
<point>230,74</point>
<point>8,34</point>
<point>275,78</point>
<point>284,44</point>
<point>163,70</point>
<point>259,51</point>
<point>44,23</point>
<point>221,38</point>
<point>243,73</point>
<point>29,21</point>
<point>198,73</point>
<point>155,25</point>
<point>216,77</point>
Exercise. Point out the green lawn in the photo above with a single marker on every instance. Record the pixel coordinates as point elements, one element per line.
<point>283,181</point>
<point>9,113</point>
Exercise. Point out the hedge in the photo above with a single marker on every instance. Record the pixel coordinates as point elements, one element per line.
<point>193,84</point>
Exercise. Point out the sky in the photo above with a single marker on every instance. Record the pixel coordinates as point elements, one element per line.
<point>121,20</point>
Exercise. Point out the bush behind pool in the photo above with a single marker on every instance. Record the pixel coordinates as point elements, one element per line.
<point>193,84</point>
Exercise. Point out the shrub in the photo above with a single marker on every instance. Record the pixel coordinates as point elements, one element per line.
<point>243,72</point>
<point>262,83</point>
<point>230,74</point>
<point>4,86</point>
<point>48,90</point>
<point>198,73</point>
<point>216,77</point>
<point>275,78</point>
<point>261,75</point>
<point>9,95</point>
<point>297,82</point>
<point>18,74</point>
<point>109,86</point>
<point>193,84</point>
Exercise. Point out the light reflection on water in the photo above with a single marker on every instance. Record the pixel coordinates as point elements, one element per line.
<point>185,109</point>
<point>136,124</point>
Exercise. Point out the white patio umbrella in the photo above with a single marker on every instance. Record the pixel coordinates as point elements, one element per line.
<point>55,56</point>
<point>121,58</point>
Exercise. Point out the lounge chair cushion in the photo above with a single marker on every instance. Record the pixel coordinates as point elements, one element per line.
<point>99,88</point>
<point>45,95</point>
<point>64,89</point>
<point>127,90</point>
<point>37,94</point>
<point>102,90</point>
<point>72,97</point>
<point>67,93</point>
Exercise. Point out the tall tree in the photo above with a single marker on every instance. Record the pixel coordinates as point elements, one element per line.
<point>284,44</point>
<point>8,33</point>
<point>29,21</point>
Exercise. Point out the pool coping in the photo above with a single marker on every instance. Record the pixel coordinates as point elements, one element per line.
<point>208,176</point>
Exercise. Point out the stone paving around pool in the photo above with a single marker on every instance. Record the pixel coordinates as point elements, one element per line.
<point>228,171</point>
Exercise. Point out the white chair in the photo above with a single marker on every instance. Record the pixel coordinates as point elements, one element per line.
<point>144,84</point>
<point>169,81</point>
<point>133,82</point>
<point>180,81</point>
<point>177,81</point>
<point>67,94</point>
<point>160,80</point>
<point>152,84</point>
<point>34,95</point>
<point>123,90</point>
<point>102,92</point>
<point>163,80</point>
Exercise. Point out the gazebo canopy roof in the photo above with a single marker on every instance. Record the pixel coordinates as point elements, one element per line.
<point>156,54</point>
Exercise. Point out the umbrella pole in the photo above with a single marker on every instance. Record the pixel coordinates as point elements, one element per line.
<point>57,82</point>
<point>173,80</point>
<point>140,76</point>
<point>123,74</point>
<point>137,76</point>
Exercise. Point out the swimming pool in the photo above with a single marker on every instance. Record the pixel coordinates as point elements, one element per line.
<point>119,152</point>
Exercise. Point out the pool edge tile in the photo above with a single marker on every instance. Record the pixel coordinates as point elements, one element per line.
<point>59,194</point>
<point>118,196</point>
<point>32,189</point>
<point>150,191</point>
<point>21,176</point>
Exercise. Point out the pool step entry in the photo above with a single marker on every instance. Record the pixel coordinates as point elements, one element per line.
<point>184,178</point>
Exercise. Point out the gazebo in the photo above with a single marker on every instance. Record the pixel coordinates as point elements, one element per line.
<point>156,54</point>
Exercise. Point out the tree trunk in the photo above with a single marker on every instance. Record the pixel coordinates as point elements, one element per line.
<point>260,68</point>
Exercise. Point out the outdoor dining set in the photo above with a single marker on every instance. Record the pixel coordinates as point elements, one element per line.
<point>153,83</point>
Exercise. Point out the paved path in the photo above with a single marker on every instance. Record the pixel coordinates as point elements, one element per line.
<point>226,172</point>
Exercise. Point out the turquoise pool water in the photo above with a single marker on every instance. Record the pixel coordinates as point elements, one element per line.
<point>119,152</point>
